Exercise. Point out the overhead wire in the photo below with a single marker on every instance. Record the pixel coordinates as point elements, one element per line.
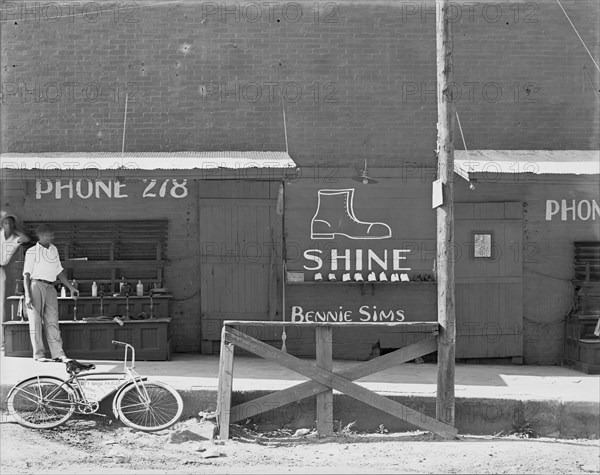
<point>594,88</point>
<point>464,141</point>
<point>578,35</point>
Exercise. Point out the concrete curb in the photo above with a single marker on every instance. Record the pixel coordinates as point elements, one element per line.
<point>476,416</point>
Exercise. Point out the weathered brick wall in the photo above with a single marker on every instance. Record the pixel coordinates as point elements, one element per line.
<point>207,76</point>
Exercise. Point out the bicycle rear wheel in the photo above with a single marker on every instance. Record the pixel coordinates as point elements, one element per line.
<point>41,403</point>
<point>162,409</point>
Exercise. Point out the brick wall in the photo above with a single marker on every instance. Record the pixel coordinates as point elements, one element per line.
<point>201,77</point>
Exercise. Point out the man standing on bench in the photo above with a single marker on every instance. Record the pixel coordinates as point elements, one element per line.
<point>41,269</point>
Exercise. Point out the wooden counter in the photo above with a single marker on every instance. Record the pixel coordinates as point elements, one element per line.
<point>92,339</point>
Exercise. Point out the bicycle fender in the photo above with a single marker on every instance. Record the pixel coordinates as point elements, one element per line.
<point>33,378</point>
<point>119,391</point>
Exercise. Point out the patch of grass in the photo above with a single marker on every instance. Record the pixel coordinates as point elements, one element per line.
<point>344,430</point>
<point>522,427</point>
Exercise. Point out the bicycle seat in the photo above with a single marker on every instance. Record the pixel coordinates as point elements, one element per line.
<point>75,367</point>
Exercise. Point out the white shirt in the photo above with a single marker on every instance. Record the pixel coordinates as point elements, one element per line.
<point>42,263</point>
<point>8,246</point>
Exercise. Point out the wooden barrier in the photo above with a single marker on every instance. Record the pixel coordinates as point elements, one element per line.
<point>323,379</point>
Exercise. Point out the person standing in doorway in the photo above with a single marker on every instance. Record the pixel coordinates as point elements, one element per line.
<point>41,269</point>
<point>10,239</point>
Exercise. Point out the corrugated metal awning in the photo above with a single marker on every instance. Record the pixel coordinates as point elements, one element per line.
<point>538,162</point>
<point>146,160</point>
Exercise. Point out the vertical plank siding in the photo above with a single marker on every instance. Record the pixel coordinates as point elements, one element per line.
<point>546,254</point>
<point>235,251</point>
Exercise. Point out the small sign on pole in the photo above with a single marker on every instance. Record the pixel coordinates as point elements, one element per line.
<point>437,194</point>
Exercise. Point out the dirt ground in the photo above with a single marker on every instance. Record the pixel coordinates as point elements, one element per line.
<point>94,445</point>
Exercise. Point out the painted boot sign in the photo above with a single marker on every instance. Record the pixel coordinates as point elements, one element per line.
<point>335,217</point>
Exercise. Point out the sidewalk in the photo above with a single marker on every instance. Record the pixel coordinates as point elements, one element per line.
<point>556,401</point>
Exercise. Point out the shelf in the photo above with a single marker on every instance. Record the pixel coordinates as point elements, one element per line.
<point>366,288</point>
<point>108,264</point>
<point>102,322</point>
<point>158,307</point>
<point>131,297</point>
<point>338,282</point>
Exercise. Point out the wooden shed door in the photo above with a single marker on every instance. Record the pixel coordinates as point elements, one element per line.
<point>238,261</point>
<point>489,280</point>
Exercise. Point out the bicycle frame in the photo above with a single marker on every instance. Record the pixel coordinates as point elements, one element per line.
<point>133,377</point>
<point>75,386</point>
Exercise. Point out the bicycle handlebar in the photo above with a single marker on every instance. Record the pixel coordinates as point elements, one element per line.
<point>127,346</point>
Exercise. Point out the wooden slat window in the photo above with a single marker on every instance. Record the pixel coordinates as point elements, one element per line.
<point>129,240</point>
<point>587,261</point>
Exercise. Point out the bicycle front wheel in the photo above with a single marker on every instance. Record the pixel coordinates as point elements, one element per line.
<point>160,410</point>
<point>41,403</point>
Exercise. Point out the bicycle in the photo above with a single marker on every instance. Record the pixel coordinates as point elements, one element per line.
<point>45,402</point>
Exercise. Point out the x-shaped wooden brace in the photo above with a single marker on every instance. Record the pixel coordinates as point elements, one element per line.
<point>322,380</point>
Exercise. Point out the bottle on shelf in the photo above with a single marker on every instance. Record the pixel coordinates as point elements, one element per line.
<point>122,286</point>
<point>139,288</point>
<point>94,289</point>
<point>63,292</point>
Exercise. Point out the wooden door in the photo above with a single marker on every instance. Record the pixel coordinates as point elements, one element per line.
<point>489,280</point>
<point>239,259</point>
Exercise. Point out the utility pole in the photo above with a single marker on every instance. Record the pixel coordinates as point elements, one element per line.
<point>445,217</point>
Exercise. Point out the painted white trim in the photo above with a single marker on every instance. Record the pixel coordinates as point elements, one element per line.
<point>146,160</point>
<point>537,162</point>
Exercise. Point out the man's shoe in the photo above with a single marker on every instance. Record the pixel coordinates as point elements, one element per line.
<point>63,359</point>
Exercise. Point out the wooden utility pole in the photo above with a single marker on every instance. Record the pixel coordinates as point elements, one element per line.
<point>445,217</point>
